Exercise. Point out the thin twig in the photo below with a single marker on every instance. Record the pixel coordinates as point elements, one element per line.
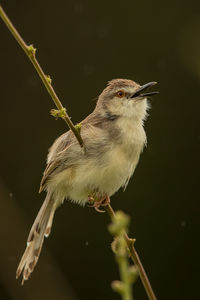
<point>135,258</point>
<point>30,52</point>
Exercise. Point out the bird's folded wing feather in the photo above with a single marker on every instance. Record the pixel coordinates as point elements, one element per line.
<point>55,157</point>
<point>59,152</point>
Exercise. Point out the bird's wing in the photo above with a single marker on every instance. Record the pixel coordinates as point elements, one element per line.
<point>47,172</point>
<point>55,157</point>
<point>63,147</point>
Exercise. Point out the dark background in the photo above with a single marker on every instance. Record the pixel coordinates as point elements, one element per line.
<point>83,44</point>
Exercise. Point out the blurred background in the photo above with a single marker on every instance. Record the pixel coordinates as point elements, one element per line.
<point>81,45</point>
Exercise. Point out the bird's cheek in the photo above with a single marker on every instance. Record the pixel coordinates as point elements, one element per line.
<point>129,102</point>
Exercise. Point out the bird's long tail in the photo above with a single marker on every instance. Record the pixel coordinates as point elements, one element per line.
<point>41,228</point>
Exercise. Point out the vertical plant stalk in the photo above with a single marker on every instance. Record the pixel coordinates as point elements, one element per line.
<point>61,112</point>
<point>128,274</point>
<point>123,269</point>
<point>135,258</point>
<point>31,53</point>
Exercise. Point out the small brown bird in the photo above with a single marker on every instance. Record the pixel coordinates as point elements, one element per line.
<point>114,137</point>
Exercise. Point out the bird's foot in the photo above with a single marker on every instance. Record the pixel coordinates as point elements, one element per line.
<point>104,201</point>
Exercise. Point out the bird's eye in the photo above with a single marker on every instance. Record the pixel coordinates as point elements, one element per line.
<point>120,94</point>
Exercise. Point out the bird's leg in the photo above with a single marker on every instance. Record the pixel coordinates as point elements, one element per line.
<point>95,202</point>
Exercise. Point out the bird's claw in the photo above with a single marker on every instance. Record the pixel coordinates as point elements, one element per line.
<point>96,204</point>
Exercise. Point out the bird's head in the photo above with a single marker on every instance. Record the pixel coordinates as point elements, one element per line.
<point>125,98</point>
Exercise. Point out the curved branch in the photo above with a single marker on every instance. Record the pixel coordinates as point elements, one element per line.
<point>30,52</point>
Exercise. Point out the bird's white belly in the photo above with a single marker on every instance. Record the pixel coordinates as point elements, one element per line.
<point>106,176</point>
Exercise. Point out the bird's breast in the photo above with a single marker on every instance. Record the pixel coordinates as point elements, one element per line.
<point>118,163</point>
<point>132,137</point>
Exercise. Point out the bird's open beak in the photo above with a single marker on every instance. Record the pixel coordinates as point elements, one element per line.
<point>139,92</point>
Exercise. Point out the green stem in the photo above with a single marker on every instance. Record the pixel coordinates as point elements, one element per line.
<point>135,258</point>
<point>30,52</point>
<point>124,275</point>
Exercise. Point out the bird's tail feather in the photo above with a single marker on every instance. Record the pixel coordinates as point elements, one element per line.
<point>41,228</point>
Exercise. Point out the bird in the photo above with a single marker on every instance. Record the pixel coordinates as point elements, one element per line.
<point>114,137</point>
